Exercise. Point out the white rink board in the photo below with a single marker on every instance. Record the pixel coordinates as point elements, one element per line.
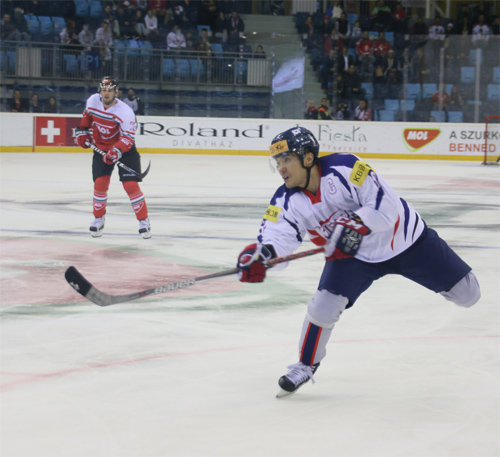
<point>253,136</point>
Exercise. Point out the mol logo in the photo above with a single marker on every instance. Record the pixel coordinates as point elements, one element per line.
<point>418,138</point>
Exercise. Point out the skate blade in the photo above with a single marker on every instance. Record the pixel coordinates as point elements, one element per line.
<point>284,393</point>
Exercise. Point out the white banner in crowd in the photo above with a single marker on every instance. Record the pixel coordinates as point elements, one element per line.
<point>290,75</point>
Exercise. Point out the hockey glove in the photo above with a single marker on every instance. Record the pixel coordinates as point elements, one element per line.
<point>83,138</point>
<point>113,155</point>
<point>251,262</point>
<point>346,238</point>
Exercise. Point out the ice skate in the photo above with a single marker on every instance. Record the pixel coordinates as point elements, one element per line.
<point>96,227</point>
<point>145,228</point>
<point>299,374</point>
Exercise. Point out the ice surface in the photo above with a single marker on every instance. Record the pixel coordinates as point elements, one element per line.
<point>194,372</point>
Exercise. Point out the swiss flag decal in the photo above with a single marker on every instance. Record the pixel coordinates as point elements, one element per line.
<point>50,131</point>
<point>418,138</point>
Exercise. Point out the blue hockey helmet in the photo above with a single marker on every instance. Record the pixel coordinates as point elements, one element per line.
<point>297,140</point>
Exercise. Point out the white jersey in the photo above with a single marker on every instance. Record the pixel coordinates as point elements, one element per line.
<point>113,126</point>
<point>348,185</point>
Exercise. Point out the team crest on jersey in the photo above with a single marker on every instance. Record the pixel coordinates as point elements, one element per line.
<point>359,173</point>
<point>272,213</point>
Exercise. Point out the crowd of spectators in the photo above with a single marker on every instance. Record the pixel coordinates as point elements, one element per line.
<point>350,49</point>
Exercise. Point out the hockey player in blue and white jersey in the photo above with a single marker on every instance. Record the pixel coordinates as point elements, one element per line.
<point>366,229</point>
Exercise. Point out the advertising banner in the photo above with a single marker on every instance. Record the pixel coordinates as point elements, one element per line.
<point>184,135</point>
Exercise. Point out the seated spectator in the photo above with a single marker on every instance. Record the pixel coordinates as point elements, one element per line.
<point>323,113</point>
<point>480,33</point>
<point>381,45</point>
<point>20,23</point>
<point>352,83</point>
<point>455,102</point>
<point>35,106</point>
<point>419,32</point>
<point>221,28</point>
<point>440,98</point>
<point>139,25</point>
<point>345,60</point>
<point>335,11</point>
<point>362,112</point>
<point>204,44</point>
<point>464,26</point>
<point>420,68</point>
<point>236,28</point>
<point>259,52</point>
<point>110,16</point>
<point>399,19</point>
<point>327,68</point>
<point>103,35</point>
<point>364,51</point>
<point>436,37</point>
<point>326,26</point>
<point>151,23</point>
<point>68,34</point>
<point>176,39</point>
<point>51,105</point>
<point>134,102</point>
<point>381,16</point>
<point>333,41</point>
<point>343,27</point>
<point>342,113</point>
<point>355,36</point>
<point>125,18</point>
<point>339,88</point>
<point>311,111</point>
<point>379,83</point>
<point>86,37</point>
<point>18,104</point>
<point>9,31</point>
<point>393,85</point>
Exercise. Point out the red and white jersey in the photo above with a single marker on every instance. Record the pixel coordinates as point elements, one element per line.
<point>113,126</point>
<point>348,185</point>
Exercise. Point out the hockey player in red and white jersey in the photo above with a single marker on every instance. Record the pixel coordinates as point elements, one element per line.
<point>367,232</point>
<point>110,124</point>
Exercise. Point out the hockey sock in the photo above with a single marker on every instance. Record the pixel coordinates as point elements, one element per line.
<point>313,342</point>
<point>101,185</point>
<point>136,199</point>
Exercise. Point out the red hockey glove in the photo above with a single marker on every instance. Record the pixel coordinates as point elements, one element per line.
<point>251,262</point>
<point>112,156</point>
<point>346,238</point>
<point>83,138</point>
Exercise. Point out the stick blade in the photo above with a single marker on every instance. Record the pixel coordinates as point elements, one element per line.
<point>83,287</point>
<point>143,175</point>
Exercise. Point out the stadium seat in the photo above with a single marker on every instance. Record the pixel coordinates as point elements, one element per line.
<point>467,74</point>
<point>413,91</point>
<point>133,47</point>
<point>146,47</point>
<point>168,67</point>
<point>386,115</point>
<point>217,49</point>
<point>439,116</point>
<point>391,104</point>
<point>95,9</point>
<point>494,92</point>
<point>183,68</point>
<point>352,18</point>
<point>455,116</point>
<point>389,36</point>
<point>196,66</point>
<point>33,26</point>
<point>59,24</point>
<point>407,105</point>
<point>496,75</point>
<point>368,87</point>
<point>428,90</point>
<point>72,63</point>
<point>46,28</point>
<point>473,53</point>
<point>81,8</point>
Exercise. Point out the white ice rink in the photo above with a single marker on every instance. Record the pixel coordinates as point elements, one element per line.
<point>194,372</point>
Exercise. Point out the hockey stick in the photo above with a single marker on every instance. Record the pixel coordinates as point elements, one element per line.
<point>85,288</point>
<point>122,165</point>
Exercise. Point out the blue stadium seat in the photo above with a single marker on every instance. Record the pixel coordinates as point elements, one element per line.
<point>389,36</point>
<point>183,68</point>
<point>33,25</point>
<point>352,18</point>
<point>133,47</point>
<point>72,63</point>
<point>59,24</point>
<point>473,56</point>
<point>439,116</point>
<point>391,104</point>
<point>428,90</point>
<point>494,92</point>
<point>407,105</point>
<point>496,75</point>
<point>413,91</point>
<point>386,115</point>
<point>46,27</point>
<point>81,8</point>
<point>217,49</point>
<point>146,47</point>
<point>196,66</point>
<point>467,74</point>
<point>168,67</point>
<point>95,9</point>
<point>455,116</point>
<point>368,87</point>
